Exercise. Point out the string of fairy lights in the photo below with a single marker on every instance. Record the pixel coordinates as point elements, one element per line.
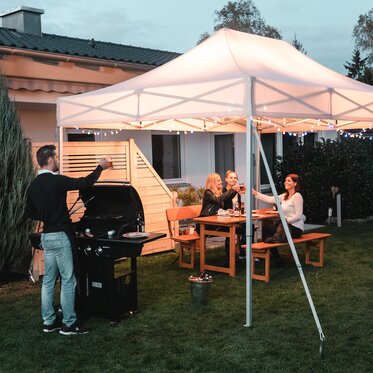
<point>364,134</point>
<point>360,134</point>
<point>116,132</point>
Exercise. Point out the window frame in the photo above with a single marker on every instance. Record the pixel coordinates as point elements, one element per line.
<point>181,179</point>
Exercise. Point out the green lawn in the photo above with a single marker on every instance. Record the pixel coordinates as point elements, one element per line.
<point>169,334</point>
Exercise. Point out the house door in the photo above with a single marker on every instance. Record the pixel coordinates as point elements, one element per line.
<point>224,154</point>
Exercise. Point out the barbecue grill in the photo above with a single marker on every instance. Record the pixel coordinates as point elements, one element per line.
<point>107,281</point>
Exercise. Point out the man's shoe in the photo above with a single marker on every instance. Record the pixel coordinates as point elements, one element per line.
<point>72,330</point>
<point>52,327</point>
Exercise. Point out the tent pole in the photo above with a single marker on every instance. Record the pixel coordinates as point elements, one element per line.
<point>249,94</point>
<point>290,240</point>
<point>249,225</point>
<point>257,164</point>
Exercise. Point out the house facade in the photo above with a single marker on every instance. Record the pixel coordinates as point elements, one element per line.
<point>41,67</point>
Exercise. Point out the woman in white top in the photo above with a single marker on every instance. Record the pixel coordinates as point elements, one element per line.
<point>292,206</point>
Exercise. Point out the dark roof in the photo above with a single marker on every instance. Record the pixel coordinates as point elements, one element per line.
<point>84,48</point>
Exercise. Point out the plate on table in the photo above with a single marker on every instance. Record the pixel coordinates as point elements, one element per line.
<point>255,216</point>
<point>135,235</point>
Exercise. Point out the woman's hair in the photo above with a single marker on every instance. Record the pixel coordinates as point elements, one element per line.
<point>210,183</point>
<point>297,188</point>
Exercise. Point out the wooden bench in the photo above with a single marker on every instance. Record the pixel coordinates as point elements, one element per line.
<point>186,241</point>
<point>261,250</point>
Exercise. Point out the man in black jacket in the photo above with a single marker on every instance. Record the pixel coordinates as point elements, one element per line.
<point>46,202</point>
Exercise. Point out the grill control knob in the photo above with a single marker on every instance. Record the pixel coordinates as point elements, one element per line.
<point>88,250</point>
<point>99,251</point>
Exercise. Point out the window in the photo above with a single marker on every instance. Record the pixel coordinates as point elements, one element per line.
<point>288,140</point>
<point>269,146</point>
<point>166,155</point>
<point>80,137</point>
<point>309,139</point>
<point>224,154</point>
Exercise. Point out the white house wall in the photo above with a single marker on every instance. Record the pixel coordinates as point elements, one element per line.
<point>39,125</point>
<point>198,159</point>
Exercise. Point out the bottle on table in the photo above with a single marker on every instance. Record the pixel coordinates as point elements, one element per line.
<point>237,209</point>
<point>140,225</point>
<point>242,208</point>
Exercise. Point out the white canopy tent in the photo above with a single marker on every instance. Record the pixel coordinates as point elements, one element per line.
<point>228,83</point>
<point>217,84</point>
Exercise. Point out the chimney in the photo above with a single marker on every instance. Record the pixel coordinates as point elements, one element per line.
<point>23,19</point>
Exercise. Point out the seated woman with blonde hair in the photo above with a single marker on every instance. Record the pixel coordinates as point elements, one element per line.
<point>213,200</point>
<point>213,197</point>
<point>231,179</point>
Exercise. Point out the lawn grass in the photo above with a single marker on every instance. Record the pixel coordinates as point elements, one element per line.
<point>169,334</point>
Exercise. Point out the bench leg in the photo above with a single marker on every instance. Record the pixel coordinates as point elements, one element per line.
<point>267,266</point>
<point>183,264</point>
<point>320,245</point>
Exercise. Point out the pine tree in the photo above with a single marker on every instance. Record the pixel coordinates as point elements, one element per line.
<point>16,173</point>
<point>356,68</point>
<point>298,45</point>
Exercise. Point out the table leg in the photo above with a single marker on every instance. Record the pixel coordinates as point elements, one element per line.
<point>232,250</point>
<point>202,247</point>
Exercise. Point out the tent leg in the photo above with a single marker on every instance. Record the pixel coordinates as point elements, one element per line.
<point>290,240</point>
<point>249,225</point>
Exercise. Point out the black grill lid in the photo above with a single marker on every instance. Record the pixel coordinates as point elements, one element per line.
<point>111,200</point>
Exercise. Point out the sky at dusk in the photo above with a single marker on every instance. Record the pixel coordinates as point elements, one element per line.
<point>324,27</point>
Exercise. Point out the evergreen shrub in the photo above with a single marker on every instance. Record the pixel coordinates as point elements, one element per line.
<point>189,195</point>
<point>346,163</point>
<point>16,174</point>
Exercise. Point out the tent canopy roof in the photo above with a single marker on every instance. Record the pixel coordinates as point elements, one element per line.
<point>217,84</point>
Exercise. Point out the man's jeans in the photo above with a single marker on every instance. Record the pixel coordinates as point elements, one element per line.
<point>58,259</point>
